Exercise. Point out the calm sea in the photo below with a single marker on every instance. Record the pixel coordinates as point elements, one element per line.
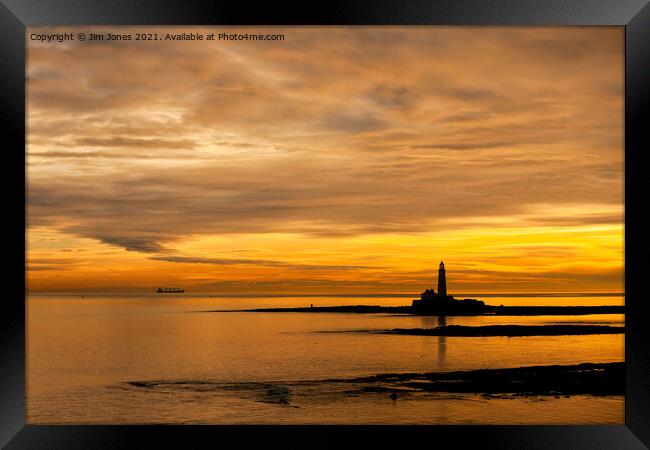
<point>168,359</point>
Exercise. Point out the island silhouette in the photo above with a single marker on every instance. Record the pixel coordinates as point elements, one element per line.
<point>442,304</point>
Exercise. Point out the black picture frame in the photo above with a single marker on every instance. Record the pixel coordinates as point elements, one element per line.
<point>15,15</point>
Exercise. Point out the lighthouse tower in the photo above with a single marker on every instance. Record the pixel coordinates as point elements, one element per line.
<point>442,280</point>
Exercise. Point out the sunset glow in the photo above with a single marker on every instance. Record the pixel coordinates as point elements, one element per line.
<point>338,161</point>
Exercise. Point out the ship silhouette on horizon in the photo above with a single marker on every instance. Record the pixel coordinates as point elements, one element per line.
<point>172,290</point>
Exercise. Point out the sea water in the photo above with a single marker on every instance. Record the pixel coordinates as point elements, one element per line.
<point>169,358</point>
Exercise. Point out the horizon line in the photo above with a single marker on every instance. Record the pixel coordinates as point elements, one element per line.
<point>331,295</point>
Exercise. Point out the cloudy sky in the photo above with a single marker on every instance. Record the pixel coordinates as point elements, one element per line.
<point>340,160</point>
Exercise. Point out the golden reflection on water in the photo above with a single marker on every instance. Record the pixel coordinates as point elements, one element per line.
<point>83,352</point>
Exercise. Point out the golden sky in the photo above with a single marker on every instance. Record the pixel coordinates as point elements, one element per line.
<point>339,160</point>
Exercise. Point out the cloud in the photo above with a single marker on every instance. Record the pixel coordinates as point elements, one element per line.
<point>121,141</point>
<point>347,122</point>
<point>393,96</point>
<point>133,244</point>
<point>253,262</point>
<point>469,146</point>
<point>335,132</point>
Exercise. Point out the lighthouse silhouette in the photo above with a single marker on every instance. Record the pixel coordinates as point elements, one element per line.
<point>442,304</point>
<point>442,280</point>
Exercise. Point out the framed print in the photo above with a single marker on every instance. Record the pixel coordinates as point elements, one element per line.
<point>361,219</point>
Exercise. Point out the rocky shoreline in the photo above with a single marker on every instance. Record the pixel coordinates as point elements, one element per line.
<point>596,379</point>
<point>581,379</point>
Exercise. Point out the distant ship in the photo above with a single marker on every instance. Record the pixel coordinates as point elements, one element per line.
<point>162,290</point>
